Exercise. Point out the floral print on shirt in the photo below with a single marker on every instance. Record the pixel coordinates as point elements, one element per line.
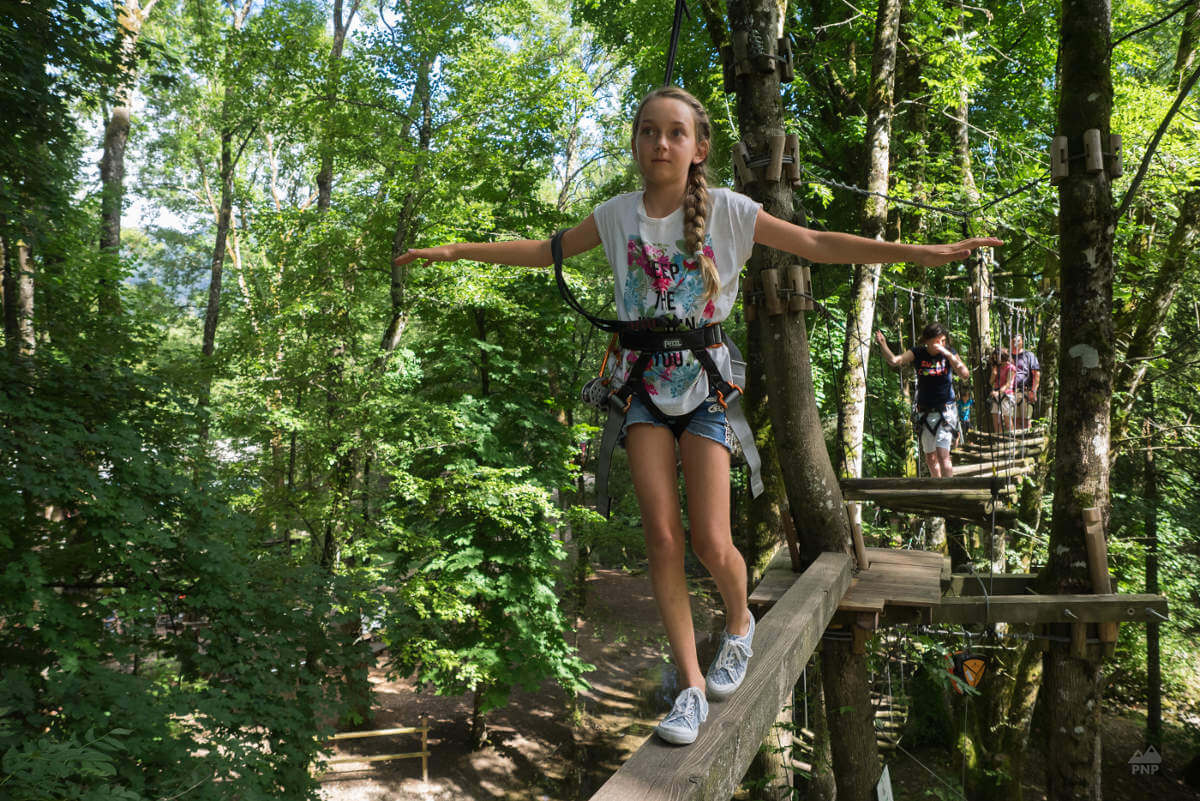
<point>669,289</point>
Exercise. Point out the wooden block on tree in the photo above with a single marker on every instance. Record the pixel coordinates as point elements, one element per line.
<point>775,166</point>
<point>749,303</point>
<point>769,280</point>
<point>1079,640</point>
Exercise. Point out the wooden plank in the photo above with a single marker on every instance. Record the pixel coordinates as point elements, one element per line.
<point>954,482</point>
<point>352,735</point>
<point>379,758</point>
<point>1048,608</point>
<point>905,556</point>
<point>711,768</point>
<point>948,496</point>
<point>1021,433</point>
<point>964,584</point>
<point>1008,470</point>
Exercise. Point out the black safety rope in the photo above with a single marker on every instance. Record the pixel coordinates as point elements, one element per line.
<point>680,9</point>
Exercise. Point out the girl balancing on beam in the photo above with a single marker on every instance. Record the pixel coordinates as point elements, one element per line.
<point>676,249</point>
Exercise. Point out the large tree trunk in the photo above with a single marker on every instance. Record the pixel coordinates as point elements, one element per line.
<point>865,285</point>
<point>1086,224</point>
<point>998,722</point>
<point>812,487</point>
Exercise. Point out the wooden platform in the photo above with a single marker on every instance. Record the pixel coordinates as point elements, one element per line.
<point>901,578</point>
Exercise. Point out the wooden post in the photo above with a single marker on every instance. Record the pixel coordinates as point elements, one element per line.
<point>1097,551</point>
<point>860,547</point>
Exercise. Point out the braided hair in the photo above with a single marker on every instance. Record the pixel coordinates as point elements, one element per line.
<point>696,205</point>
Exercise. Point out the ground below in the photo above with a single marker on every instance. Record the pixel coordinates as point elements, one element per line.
<point>536,755</point>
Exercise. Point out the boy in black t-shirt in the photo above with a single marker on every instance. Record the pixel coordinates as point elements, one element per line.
<point>933,360</point>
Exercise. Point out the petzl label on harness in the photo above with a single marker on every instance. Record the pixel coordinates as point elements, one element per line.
<point>673,343</point>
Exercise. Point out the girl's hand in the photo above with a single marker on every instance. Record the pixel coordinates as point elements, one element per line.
<point>938,349</point>
<point>937,255</point>
<point>430,255</point>
<point>879,337</point>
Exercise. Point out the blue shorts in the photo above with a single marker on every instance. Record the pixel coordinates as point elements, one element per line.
<point>707,421</point>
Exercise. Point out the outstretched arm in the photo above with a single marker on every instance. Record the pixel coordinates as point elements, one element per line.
<point>893,361</point>
<point>831,247</point>
<point>515,252</point>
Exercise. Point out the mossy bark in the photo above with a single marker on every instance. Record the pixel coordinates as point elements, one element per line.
<point>1081,459</point>
<point>812,487</point>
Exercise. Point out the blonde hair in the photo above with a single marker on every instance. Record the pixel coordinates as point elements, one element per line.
<point>696,205</point>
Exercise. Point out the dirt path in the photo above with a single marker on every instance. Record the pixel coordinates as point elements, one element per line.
<point>529,756</point>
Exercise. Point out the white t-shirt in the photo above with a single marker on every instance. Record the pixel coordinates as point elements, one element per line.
<point>657,279</point>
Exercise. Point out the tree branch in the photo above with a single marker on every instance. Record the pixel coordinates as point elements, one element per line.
<point>1158,135</point>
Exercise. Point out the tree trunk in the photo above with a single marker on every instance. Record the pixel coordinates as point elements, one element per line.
<point>808,473</point>
<point>341,25</point>
<point>1081,460</point>
<point>212,311</point>
<point>856,763</point>
<point>1153,653</point>
<point>18,301</point>
<point>822,785</point>
<point>998,721</point>
<point>131,17</point>
<point>978,270</point>
<point>1189,41</point>
<point>767,515</point>
<point>1153,310</point>
<point>859,322</point>
<point>402,236</point>
<point>479,732</point>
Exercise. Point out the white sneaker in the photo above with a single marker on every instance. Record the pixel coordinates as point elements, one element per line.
<point>682,723</point>
<point>728,669</point>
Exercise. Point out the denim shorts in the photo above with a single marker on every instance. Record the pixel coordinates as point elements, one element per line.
<point>708,421</point>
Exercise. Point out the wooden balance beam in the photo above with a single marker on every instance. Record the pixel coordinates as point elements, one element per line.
<point>711,768</point>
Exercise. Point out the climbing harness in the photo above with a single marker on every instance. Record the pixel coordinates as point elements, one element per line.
<point>638,337</point>
<point>923,414</point>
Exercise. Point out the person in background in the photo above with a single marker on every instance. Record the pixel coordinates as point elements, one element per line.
<point>1025,384</point>
<point>966,404</point>
<point>1000,401</point>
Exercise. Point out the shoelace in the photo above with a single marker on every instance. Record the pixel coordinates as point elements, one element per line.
<point>731,651</point>
<point>690,711</point>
